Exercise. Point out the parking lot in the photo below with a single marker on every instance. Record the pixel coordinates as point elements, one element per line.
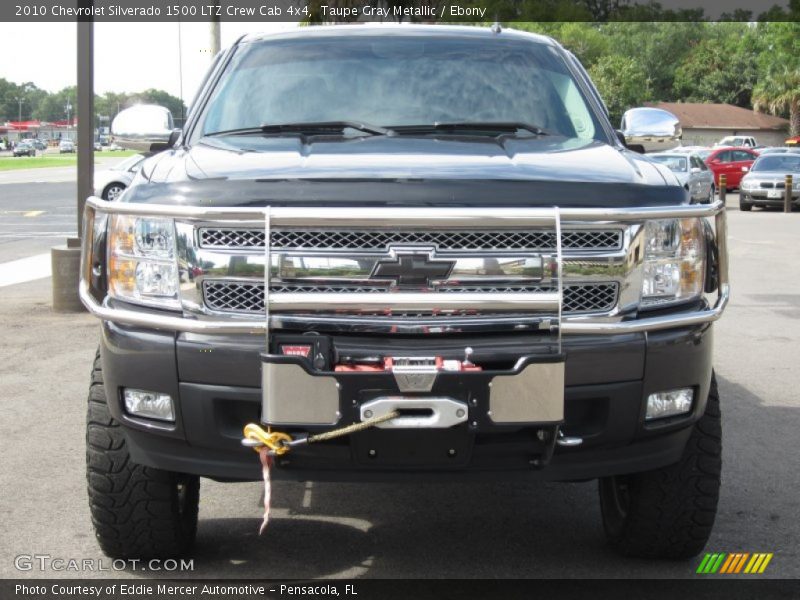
<point>422,531</point>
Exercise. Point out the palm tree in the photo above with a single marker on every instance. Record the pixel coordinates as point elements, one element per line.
<point>778,94</point>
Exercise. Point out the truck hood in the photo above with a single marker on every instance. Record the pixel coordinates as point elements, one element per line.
<point>547,170</point>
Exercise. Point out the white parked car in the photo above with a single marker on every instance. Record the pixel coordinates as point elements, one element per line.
<point>692,172</point>
<point>110,183</point>
<point>66,146</point>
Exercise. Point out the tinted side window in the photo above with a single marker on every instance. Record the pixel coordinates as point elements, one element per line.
<point>741,155</point>
<point>724,156</point>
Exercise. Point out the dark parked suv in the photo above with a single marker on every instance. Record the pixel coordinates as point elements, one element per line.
<point>432,230</point>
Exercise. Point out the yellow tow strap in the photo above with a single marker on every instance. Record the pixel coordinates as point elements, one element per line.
<point>280,443</point>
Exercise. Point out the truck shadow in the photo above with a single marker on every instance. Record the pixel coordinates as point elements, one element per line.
<point>495,530</point>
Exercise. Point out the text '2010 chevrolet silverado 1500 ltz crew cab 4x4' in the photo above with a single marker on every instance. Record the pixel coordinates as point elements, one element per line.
<point>429,236</point>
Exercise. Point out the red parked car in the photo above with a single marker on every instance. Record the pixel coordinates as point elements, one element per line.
<point>730,161</point>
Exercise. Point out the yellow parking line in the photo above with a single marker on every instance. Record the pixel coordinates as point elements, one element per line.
<point>33,213</point>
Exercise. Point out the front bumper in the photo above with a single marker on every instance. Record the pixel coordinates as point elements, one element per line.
<point>216,384</point>
<point>759,198</point>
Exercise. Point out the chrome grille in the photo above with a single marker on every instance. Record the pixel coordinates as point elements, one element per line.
<point>248,297</point>
<point>378,240</point>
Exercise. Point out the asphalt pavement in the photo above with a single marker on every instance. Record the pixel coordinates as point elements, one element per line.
<point>399,530</point>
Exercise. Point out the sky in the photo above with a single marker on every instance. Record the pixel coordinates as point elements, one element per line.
<point>129,57</point>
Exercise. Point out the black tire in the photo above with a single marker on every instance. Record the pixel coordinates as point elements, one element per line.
<point>137,512</point>
<point>745,206</point>
<point>112,191</point>
<point>669,512</point>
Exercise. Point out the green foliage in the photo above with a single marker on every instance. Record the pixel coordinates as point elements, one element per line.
<point>44,106</point>
<point>778,88</point>
<point>721,67</point>
<point>622,83</point>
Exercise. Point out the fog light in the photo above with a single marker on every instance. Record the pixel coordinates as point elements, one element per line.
<point>669,404</point>
<point>150,405</point>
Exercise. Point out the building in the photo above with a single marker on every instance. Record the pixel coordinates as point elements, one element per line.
<point>703,124</point>
<point>48,132</point>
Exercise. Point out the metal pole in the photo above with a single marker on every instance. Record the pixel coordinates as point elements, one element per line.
<point>85,115</point>
<point>723,184</point>
<point>787,195</point>
<point>66,260</point>
<point>213,30</point>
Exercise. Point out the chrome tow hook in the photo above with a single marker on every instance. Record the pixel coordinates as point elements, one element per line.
<point>568,441</point>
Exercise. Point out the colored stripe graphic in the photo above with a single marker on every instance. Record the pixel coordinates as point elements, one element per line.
<point>741,562</point>
<point>734,563</point>
<point>728,564</point>
<point>702,567</point>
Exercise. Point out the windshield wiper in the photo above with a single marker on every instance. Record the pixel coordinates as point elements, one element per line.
<point>312,127</point>
<point>497,128</point>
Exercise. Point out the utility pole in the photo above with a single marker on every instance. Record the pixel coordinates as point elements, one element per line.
<point>68,110</point>
<point>66,259</point>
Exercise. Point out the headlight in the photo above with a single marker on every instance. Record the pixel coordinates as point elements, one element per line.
<point>674,265</point>
<point>142,264</point>
<point>746,185</point>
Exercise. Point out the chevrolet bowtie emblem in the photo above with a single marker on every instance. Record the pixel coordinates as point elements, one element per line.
<point>412,269</point>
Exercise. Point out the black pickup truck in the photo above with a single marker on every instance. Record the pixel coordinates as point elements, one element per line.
<point>434,222</point>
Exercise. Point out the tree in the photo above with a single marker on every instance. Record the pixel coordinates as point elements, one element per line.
<point>162,98</point>
<point>621,82</point>
<point>53,107</point>
<point>657,48</point>
<point>778,87</point>
<point>721,67</point>
<point>780,94</point>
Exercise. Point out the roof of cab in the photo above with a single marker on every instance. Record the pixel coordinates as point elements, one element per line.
<point>398,29</point>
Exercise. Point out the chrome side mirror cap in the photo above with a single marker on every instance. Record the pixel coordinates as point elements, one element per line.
<point>140,127</point>
<point>651,129</point>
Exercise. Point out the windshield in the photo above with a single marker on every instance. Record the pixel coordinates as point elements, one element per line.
<point>399,81</point>
<point>787,163</point>
<point>675,163</point>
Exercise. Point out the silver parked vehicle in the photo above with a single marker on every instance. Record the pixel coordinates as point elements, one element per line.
<point>765,184</point>
<point>779,150</point>
<point>692,172</point>
<point>109,184</point>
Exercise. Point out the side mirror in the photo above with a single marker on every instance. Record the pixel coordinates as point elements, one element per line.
<point>745,169</point>
<point>142,126</point>
<point>653,129</point>
<point>696,169</point>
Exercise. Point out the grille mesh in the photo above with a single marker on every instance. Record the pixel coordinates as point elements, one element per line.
<point>364,240</point>
<point>243,297</point>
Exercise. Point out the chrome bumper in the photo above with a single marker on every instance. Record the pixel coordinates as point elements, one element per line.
<point>411,217</point>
